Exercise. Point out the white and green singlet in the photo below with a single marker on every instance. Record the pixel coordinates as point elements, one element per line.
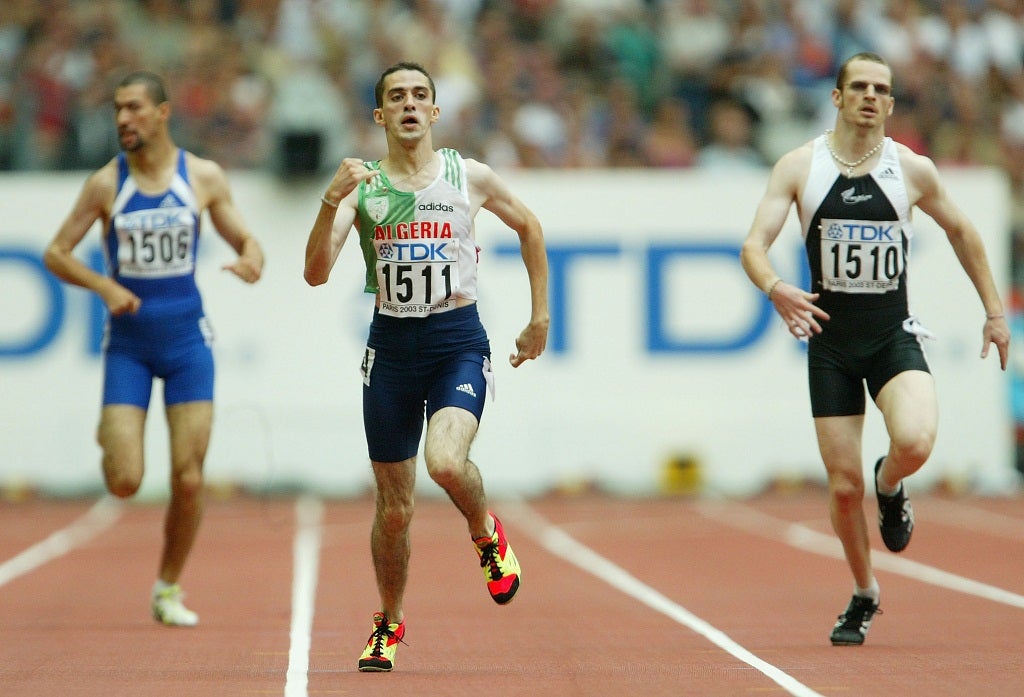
<point>419,247</point>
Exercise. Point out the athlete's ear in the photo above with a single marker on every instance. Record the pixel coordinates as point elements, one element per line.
<point>837,98</point>
<point>378,117</point>
<point>435,112</point>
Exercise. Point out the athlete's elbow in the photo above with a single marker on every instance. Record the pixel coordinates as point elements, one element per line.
<point>52,257</point>
<point>314,277</point>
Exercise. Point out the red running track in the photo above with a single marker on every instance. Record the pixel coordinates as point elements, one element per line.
<point>619,597</point>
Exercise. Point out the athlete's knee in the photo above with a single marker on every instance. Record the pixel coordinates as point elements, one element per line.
<point>846,490</point>
<point>187,482</point>
<point>121,481</point>
<point>913,450</point>
<point>122,472</point>
<point>446,470</point>
<point>394,515</point>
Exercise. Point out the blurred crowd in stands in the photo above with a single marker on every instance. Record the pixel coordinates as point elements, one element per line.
<point>287,85</point>
<point>532,83</point>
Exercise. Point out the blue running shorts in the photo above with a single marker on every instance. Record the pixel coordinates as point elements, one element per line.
<point>414,366</point>
<point>179,353</point>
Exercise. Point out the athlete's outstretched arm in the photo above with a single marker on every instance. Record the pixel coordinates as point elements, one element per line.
<point>93,205</point>
<point>227,219</point>
<point>795,305</point>
<point>499,199</point>
<point>967,244</point>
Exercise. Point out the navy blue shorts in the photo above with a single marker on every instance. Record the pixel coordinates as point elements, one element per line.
<point>413,366</point>
<point>178,352</point>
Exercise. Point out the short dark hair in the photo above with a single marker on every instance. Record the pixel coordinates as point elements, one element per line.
<point>862,56</point>
<point>378,90</point>
<point>153,83</point>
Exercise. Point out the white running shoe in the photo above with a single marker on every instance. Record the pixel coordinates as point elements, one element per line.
<point>169,609</point>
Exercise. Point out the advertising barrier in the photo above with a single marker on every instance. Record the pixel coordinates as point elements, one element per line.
<point>666,369</point>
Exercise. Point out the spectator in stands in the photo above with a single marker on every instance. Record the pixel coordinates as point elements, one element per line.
<point>730,143</point>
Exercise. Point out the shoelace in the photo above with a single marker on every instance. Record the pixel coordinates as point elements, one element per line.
<point>899,513</point>
<point>853,617</point>
<point>895,506</point>
<point>489,557</point>
<point>379,635</point>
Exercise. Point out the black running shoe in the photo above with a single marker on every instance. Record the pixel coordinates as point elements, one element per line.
<point>895,515</point>
<point>853,624</point>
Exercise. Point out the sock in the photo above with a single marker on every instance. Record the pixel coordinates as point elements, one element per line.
<point>872,591</point>
<point>882,488</point>
<point>160,585</point>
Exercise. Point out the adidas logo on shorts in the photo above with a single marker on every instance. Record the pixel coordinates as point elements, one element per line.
<point>467,388</point>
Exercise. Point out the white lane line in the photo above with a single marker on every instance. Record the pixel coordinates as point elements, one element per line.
<point>966,516</point>
<point>744,518</point>
<point>305,570</point>
<point>98,518</point>
<point>564,546</point>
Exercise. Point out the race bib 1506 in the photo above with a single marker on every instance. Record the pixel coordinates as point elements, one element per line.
<point>155,243</point>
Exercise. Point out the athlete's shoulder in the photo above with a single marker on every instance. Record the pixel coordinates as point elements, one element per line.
<point>207,178</point>
<point>201,168</point>
<point>793,167</point>
<point>477,171</point>
<point>104,181</point>
<point>917,168</point>
<point>909,158</point>
<point>800,155</point>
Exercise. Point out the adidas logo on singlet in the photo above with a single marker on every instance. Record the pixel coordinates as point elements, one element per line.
<point>169,202</point>
<point>886,173</point>
<point>467,388</point>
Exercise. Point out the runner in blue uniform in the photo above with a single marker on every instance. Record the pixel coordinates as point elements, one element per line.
<point>854,189</point>
<point>427,356</point>
<point>149,201</point>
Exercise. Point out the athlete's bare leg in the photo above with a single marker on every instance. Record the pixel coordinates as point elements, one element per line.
<point>839,440</point>
<point>189,425</point>
<point>450,433</point>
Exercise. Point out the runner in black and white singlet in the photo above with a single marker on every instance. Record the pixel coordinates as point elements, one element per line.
<point>149,201</point>
<point>427,355</point>
<point>854,190</point>
<point>858,234</point>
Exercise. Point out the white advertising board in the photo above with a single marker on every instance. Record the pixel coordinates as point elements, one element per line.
<point>660,348</point>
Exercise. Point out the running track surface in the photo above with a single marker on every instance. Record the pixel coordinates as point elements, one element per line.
<point>619,597</point>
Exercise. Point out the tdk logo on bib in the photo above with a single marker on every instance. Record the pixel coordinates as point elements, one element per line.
<point>861,231</point>
<point>415,251</point>
<point>155,219</point>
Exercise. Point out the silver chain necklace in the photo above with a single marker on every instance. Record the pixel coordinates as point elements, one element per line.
<point>850,166</point>
<point>426,164</point>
